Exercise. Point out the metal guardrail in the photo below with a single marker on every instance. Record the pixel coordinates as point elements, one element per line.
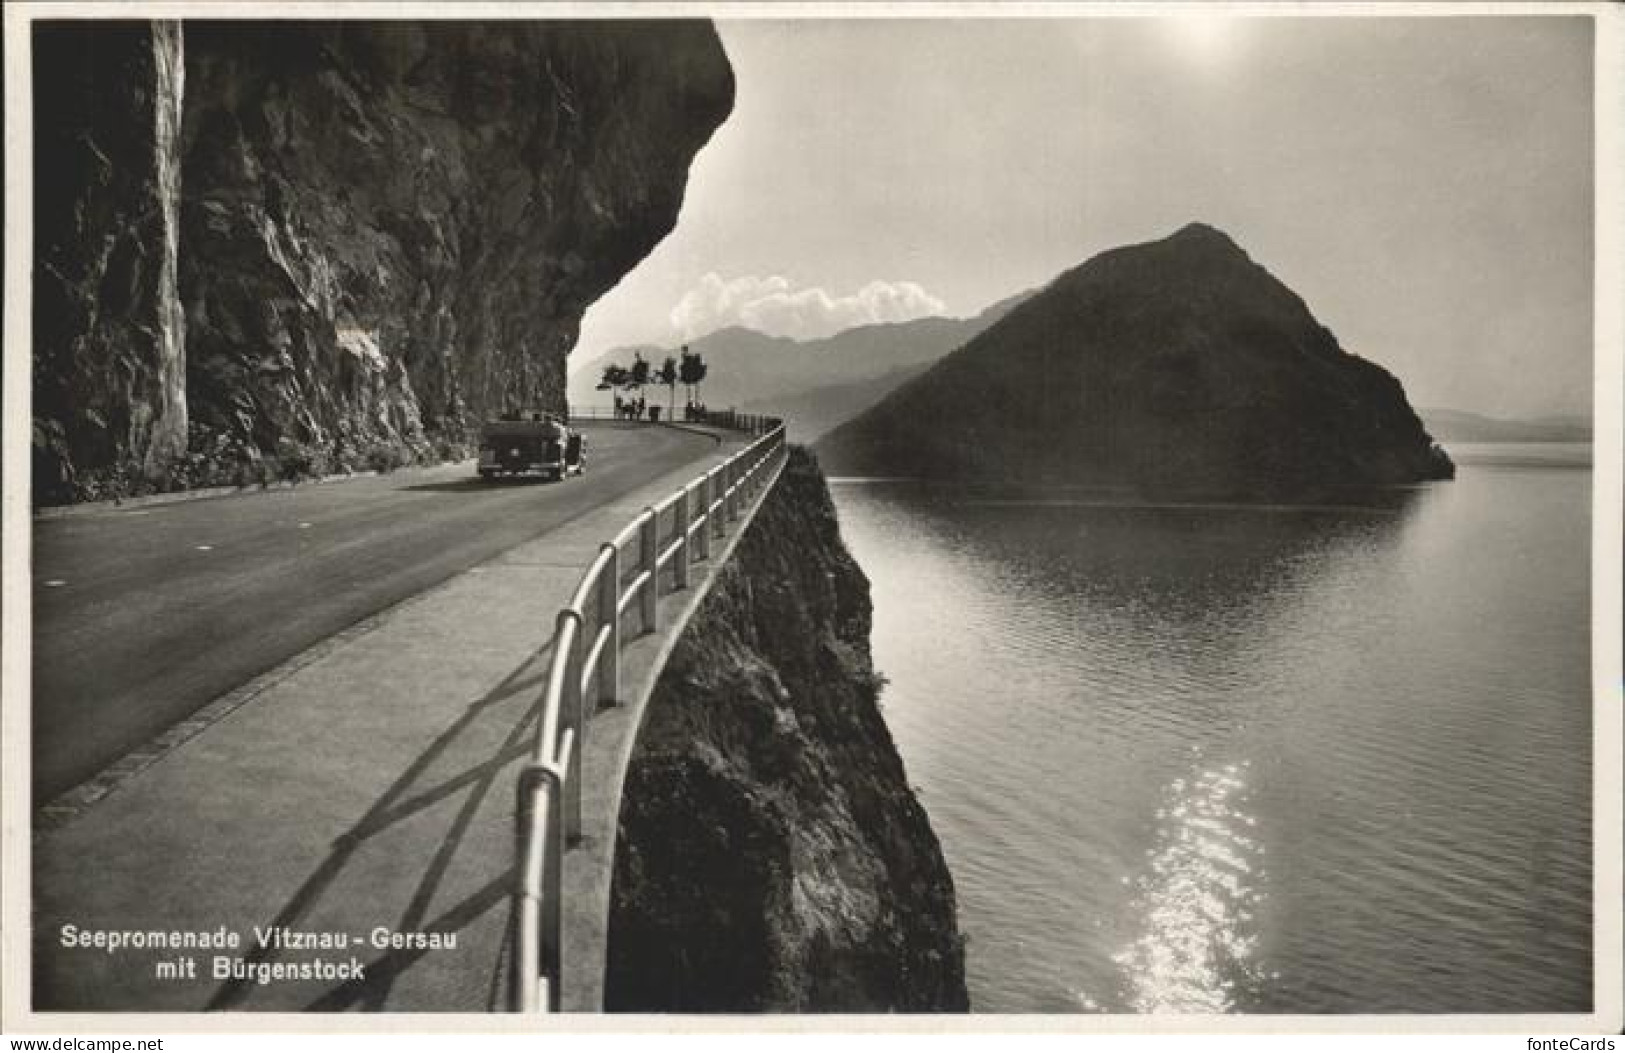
<point>754,423</point>
<point>648,558</point>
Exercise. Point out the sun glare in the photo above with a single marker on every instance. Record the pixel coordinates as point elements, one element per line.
<point>1206,41</point>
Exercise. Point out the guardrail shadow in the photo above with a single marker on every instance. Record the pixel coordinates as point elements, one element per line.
<point>474,485</point>
<point>411,794</point>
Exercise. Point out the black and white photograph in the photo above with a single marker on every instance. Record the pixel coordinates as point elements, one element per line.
<point>1101,517</point>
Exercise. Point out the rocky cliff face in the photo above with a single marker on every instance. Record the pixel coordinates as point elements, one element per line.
<point>109,336</point>
<point>772,857</point>
<point>1175,366</point>
<point>312,238</point>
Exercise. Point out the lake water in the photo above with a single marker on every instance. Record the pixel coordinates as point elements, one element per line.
<point>1330,759</point>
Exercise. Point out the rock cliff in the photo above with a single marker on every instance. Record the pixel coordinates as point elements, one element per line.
<point>315,240</point>
<point>1175,366</point>
<point>772,857</point>
<point>109,362</point>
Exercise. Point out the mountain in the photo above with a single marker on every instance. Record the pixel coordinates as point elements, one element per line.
<point>813,383</point>
<point>1177,366</point>
<point>1461,426</point>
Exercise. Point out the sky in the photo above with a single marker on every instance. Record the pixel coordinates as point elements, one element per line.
<point>1426,184</point>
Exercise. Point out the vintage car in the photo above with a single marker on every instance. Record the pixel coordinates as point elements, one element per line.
<point>540,445</point>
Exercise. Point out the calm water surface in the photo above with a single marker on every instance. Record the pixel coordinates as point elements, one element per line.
<point>1223,759</point>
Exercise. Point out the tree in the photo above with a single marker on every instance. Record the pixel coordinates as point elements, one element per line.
<point>692,372</point>
<point>614,378</point>
<point>638,375</point>
<point>668,377</point>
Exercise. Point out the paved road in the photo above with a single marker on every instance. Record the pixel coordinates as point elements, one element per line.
<point>143,616</point>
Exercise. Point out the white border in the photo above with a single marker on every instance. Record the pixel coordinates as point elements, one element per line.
<point>1607,521</point>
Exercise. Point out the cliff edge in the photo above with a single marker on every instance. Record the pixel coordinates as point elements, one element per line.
<point>771,856</point>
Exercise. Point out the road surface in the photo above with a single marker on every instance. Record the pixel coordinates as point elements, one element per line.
<point>144,615</point>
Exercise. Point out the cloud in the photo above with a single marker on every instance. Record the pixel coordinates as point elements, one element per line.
<point>775,306</point>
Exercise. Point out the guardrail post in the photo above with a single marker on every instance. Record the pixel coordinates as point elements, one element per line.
<point>649,560</point>
<point>609,613</point>
<point>538,952</point>
<point>552,942</point>
<point>703,538</point>
<point>679,571</point>
<point>523,963</point>
<point>716,486</point>
<point>573,712</point>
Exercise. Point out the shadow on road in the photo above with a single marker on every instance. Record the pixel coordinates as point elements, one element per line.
<point>466,486</point>
<point>513,706</point>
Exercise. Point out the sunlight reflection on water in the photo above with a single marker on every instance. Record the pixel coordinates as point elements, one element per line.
<point>1197,897</point>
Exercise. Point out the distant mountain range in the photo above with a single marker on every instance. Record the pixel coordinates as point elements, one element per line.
<point>1461,426</point>
<point>1176,366</point>
<point>820,384</point>
<point>815,384</point>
